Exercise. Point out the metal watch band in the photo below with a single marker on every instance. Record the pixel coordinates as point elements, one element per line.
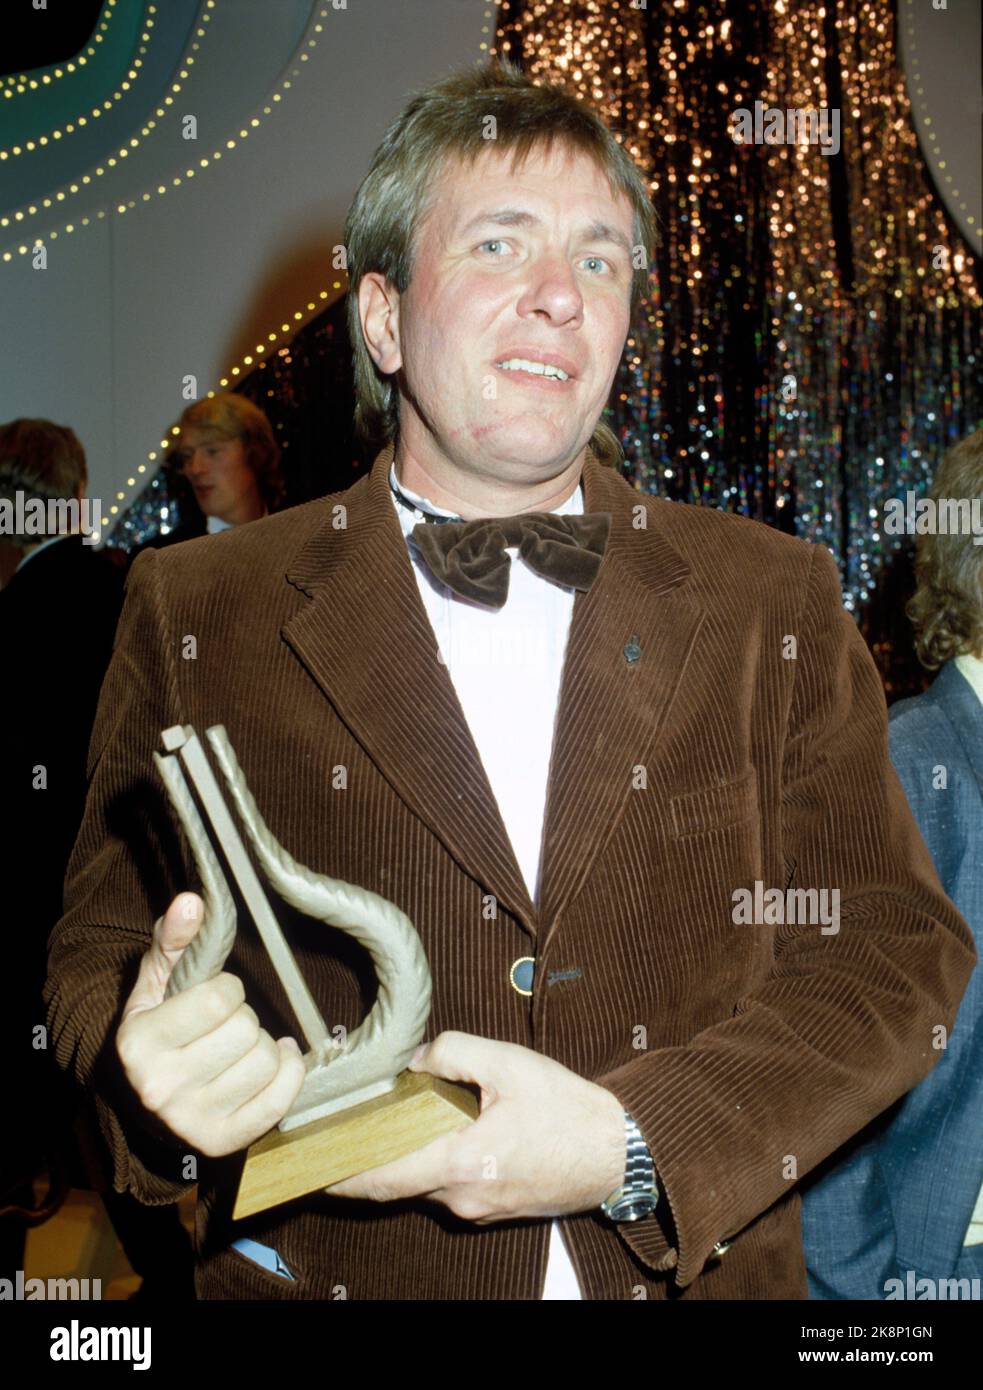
<point>639,1193</point>
<point>639,1169</point>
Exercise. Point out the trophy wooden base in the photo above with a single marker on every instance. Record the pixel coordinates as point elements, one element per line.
<point>282,1166</point>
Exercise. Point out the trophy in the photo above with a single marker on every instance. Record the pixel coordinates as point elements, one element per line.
<point>358,1107</point>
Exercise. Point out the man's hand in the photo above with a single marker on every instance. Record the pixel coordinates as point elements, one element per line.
<point>547,1142</point>
<point>200,1061</point>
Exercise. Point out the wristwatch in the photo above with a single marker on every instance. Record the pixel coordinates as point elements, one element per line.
<point>639,1193</point>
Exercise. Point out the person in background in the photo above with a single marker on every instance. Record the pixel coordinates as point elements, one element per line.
<point>224,468</point>
<point>648,1073</point>
<point>59,607</point>
<point>903,1201</point>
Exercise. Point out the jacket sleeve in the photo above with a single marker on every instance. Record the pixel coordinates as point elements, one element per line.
<point>844,1023</point>
<point>128,861</point>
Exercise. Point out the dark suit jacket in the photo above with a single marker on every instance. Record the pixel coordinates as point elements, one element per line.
<point>58,616</point>
<point>895,1202</point>
<point>738,1049</point>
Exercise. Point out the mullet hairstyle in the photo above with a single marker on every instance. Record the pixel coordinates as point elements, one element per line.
<point>231,416</point>
<point>947,608</point>
<point>446,120</point>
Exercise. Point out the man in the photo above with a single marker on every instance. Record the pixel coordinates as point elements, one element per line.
<point>224,467</point>
<point>59,604</point>
<point>58,616</point>
<point>563,785</point>
<point>898,1212</point>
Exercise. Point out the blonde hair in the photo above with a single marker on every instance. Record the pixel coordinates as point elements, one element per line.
<point>231,416</point>
<point>947,608</point>
<point>448,119</point>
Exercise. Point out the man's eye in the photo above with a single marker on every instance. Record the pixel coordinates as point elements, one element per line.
<point>598,261</point>
<point>496,241</point>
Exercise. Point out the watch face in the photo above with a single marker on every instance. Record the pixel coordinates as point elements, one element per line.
<point>632,1207</point>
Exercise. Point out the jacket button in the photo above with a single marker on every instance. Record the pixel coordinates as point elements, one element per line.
<point>721,1248</point>
<point>521,975</point>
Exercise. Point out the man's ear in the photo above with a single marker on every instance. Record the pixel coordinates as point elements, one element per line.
<point>378,309</point>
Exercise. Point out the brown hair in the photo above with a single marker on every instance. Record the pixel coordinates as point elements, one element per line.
<point>448,119</point>
<point>231,416</point>
<point>41,460</point>
<point>947,608</point>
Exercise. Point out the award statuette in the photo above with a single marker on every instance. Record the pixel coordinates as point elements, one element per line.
<point>358,1107</point>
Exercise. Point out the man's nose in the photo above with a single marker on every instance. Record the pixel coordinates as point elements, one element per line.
<point>553,289</point>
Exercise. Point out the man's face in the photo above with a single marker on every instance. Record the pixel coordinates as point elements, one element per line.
<point>529,267</point>
<point>217,471</point>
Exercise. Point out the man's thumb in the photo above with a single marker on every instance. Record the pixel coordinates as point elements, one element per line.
<point>172,933</point>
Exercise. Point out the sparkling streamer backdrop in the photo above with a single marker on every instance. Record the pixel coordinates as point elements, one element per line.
<point>810,344</point>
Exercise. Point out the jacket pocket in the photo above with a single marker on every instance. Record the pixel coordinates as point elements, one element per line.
<point>715,807</point>
<point>275,1283</point>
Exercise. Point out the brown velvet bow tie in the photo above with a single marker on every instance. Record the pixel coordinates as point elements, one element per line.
<point>470,556</point>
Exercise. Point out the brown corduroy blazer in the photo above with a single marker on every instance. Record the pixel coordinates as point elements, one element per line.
<point>720,723</point>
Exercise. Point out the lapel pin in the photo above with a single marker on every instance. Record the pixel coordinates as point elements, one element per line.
<point>633,651</point>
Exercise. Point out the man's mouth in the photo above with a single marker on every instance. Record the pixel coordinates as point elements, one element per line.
<point>544,370</point>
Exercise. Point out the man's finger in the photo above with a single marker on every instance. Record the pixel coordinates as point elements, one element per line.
<point>172,933</point>
<point>198,1011</point>
<point>259,1115</point>
<point>457,1056</point>
<point>417,1174</point>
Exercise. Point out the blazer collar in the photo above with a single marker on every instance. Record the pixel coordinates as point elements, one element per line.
<point>957,697</point>
<point>366,639</point>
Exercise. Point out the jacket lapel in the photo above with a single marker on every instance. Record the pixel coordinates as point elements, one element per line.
<point>366,639</point>
<point>962,706</point>
<point>630,639</point>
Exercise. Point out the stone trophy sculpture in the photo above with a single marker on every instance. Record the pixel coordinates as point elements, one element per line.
<point>358,1107</point>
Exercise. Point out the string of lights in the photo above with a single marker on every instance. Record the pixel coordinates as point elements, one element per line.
<point>63,196</point>
<point>80,122</point>
<point>16,84</point>
<point>810,342</point>
<point>141,516</point>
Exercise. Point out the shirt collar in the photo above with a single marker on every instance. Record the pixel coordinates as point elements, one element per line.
<point>410,516</point>
<point>972,668</point>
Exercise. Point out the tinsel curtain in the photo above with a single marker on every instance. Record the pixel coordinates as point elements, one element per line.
<point>810,345</point>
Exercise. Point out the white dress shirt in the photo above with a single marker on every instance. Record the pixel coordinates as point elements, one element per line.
<point>511,720</point>
<point>972,668</point>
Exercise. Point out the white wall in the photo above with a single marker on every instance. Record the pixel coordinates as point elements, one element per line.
<point>939,47</point>
<point>189,282</point>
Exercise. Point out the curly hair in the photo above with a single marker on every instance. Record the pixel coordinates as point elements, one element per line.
<point>947,608</point>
